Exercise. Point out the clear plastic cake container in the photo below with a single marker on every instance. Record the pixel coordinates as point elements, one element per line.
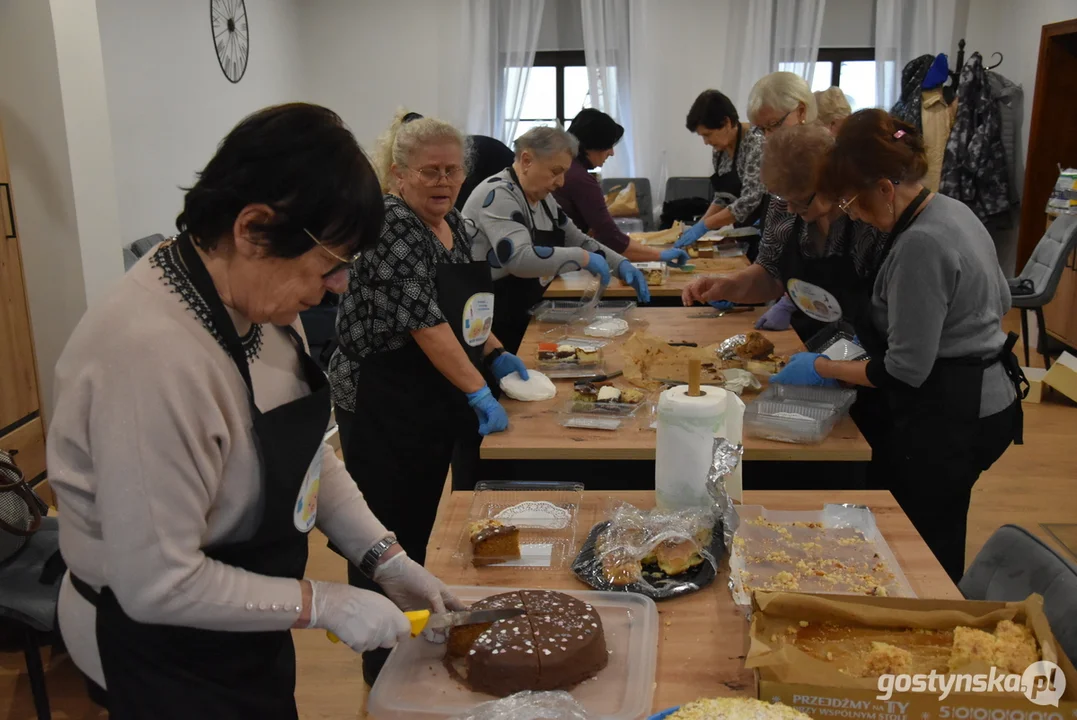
<point>656,273</point>
<point>788,421</point>
<point>546,514</point>
<point>839,399</point>
<point>838,525</point>
<point>414,684</point>
<point>563,312</point>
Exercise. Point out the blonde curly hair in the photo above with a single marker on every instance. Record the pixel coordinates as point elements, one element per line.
<point>409,132</point>
<point>833,105</point>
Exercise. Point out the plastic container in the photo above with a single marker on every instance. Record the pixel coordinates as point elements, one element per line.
<point>789,421</point>
<point>590,422</point>
<point>576,372</point>
<point>414,684</point>
<point>546,514</point>
<point>845,533</point>
<point>656,272</point>
<point>629,224</point>
<point>591,359</point>
<point>563,312</point>
<point>838,399</point>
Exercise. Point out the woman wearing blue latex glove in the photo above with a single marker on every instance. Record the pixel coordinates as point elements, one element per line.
<point>492,417</point>
<point>506,364</point>
<point>674,257</point>
<point>526,236</point>
<point>630,275</point>
<point>692,234</point>
<point>779,315</point>
<point>801,371</point>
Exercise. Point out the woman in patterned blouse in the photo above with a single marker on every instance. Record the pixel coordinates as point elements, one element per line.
<point>416,345</point>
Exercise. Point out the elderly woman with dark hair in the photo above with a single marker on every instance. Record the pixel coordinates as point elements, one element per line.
<point>527,236</point>
<point>186,444</point>
<point>581,196</point>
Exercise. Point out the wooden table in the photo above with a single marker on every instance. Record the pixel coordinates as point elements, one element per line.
<point>702,637</point>
<point>535,433</point>
<point>571,285</point>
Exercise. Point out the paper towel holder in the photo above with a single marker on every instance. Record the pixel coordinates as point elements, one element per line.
<point>695,368</point>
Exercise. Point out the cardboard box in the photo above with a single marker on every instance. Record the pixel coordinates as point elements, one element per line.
<point>1063,376</point>
<point>1036,388</point>
<point>816,688</point>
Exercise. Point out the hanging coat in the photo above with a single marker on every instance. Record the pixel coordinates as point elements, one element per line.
<point>907,108</point>
<point>974,169</point>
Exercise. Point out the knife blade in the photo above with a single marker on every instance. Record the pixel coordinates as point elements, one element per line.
<point>607,376</point>
<point>424,619</point>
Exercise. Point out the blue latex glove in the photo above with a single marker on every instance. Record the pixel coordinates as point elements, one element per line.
<point>690,235</point>
<point>597,265</point>
<point>631,275</point>
<point>722,305</point>
<point>492,417</point>
<point>506,364</point>
<point>801,371</point>
<point>779,315</point>
<point>675,257</point>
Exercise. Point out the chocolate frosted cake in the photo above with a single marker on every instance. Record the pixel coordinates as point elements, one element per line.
<point>556,644</point>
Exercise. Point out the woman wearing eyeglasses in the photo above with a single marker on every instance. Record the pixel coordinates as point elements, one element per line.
<point>186,443</point>
<point>931,322</point>
<point>416,340</point>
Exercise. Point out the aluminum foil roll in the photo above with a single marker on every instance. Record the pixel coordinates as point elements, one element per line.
<point>726,457</point>
<point>728,349</point>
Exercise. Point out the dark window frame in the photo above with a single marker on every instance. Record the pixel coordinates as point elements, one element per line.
<point>559,59</point>
<point>835,56</point>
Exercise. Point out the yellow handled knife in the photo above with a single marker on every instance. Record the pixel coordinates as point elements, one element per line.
<point>422,619</point>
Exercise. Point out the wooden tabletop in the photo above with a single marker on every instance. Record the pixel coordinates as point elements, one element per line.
<point>535,432</point>
<point>572,285</point>
<point>703,636</point>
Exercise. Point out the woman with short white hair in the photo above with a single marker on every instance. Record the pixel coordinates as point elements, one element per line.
<point>527,236</point>
<point>781,99</point>
<point>833,108</point>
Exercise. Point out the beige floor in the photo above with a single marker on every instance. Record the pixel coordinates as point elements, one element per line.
<point>1030,485</point>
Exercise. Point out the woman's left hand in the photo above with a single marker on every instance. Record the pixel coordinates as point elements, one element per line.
<point>507,364</point>
<point>413,587</point>
<point>631,275</point>
<point>801,371</point>
<point>675,257</point>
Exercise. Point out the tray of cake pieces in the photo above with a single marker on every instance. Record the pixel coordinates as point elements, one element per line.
<point>568,357</point>
<point>603,405</point>
<point>836,550</point>
<point>521,524</point>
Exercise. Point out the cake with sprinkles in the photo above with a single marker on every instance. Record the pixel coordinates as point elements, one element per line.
<point>557,643</point>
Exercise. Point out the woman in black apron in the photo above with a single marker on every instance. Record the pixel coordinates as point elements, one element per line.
<point>737,189</point>
<point>192,612</point>
<point>416,343</point>
<point>931,437</point>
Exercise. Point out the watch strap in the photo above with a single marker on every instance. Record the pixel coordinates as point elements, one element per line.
<point>369,563</point>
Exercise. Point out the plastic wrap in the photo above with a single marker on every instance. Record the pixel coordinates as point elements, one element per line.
<point>727,457</point>
<point>657,553</point>
<point>737,380</point>
<point>557,705</point>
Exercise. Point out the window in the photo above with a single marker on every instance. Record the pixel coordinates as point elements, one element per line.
<point>557,89</point>
<point>851,69</point>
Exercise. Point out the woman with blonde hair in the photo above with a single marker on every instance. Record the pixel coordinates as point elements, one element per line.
<point>416,345</point>
<point>781,99</point>
<point>833,108</point>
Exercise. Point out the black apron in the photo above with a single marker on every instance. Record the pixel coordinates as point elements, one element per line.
<point>929,444</point>
<point>730,183</point>
<point>835,274</point>
<point>515,296</point>
<point>168,671</point>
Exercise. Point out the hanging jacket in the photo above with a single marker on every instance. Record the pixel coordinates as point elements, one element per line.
<point>974,169</point>
<point>907,108</point>
<point>1009,97</point>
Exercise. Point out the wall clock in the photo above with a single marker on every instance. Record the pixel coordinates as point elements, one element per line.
<point>231,36</point>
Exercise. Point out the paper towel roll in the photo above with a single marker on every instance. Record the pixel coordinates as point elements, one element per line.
<point>687,427</point>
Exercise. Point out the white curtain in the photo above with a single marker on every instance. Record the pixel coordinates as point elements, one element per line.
<point>905,30</point>
<point>770,35</point>
<point>606,47</point>
<point>502,37</point>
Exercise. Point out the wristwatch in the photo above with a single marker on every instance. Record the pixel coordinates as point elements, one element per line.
<point>369,563</point>
<point>494,355</point>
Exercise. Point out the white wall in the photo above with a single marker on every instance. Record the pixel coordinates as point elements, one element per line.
<point>170,103</point>
<point>848,24</point>
<point>56,131</point>
<point>562,26</point>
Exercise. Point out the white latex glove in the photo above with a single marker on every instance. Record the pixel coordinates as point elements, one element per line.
<point>363,620</point>
<point>413,587</point>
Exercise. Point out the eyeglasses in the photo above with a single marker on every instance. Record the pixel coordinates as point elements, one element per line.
<point>777,124</point>
<point>796,205</point>
<point>431,176</point>
<point>844,205</point>
<point>343,263</point>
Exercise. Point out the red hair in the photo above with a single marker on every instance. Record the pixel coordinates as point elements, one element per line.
<point>871,146</point>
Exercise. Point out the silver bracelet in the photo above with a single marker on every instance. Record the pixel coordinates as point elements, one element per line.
<point>369,563</point>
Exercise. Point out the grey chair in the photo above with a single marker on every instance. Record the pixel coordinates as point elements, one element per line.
<point>1012,565</point>
<point>29,591</point>
<point>133,251</point>
<point>643,196</point>
<point>681,188</point>
<point>1041,275</point>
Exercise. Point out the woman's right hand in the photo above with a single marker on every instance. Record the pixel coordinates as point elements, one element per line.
<point>597,265</point>
<point>492,417</point>
<point>363,620</point>
<point>705,290</point>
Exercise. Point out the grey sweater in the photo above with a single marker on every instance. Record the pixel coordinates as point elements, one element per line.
<point>941,294</point>
<point>500,209</point>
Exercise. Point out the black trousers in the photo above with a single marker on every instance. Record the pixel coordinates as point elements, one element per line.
<point>401,472</point>
<point>931,474</point>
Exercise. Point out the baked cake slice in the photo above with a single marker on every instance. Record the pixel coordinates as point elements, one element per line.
<point>493,541</point>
